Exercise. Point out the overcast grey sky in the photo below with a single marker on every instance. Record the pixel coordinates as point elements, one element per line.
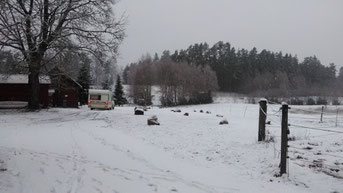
<point>302,27</point>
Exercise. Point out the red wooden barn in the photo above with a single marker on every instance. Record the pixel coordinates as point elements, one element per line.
<point>16,88</point>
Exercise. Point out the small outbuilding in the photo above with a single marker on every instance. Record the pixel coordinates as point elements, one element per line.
<point>64,90</point>
<point>16,88</point>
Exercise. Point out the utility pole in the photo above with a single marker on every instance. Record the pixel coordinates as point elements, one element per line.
<point>284,139</point>
<point>262,120</point>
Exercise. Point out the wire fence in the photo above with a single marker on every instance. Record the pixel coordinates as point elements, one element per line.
<point>327,122</point>
<point>321,116</point>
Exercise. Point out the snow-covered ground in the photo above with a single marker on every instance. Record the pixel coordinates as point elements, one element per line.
<point>79,150</point>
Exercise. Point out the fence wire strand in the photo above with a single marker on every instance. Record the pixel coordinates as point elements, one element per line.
<point>321,153</point>
<point>315,128</point>
<point>314,111</point>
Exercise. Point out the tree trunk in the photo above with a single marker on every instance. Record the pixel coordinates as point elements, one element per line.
<point>34,84</point>
<point>34,90</point>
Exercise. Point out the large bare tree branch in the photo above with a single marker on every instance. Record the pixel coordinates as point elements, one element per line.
<point>34,25</point>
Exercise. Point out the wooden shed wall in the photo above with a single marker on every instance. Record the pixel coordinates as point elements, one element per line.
<point>20,92</point>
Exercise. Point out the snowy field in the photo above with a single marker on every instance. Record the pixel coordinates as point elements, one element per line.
<point>84,151</point>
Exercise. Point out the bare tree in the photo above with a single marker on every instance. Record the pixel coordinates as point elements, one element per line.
<point>141,79</point>
<point>183,83</point>
<point>41,28</point>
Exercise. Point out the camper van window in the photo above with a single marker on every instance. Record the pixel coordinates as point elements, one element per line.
<point>95,97</point>
<point>104,97</point>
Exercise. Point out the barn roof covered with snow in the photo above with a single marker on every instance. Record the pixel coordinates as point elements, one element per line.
<point>21,79</point>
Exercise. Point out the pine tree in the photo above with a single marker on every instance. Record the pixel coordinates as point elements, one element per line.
<point>156,58</point>
<point>119,93</point>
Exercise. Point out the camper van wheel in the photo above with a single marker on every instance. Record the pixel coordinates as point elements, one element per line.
<point>92,108</point>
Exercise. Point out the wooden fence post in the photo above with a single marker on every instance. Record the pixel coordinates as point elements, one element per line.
<point>262,120</point>
<point>321,115</point>
<point>336,117</point>
<point>284,139</point>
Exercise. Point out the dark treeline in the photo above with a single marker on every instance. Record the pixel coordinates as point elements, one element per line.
<point>263,73</point>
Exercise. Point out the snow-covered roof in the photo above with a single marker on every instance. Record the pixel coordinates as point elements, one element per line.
<point>21,79</point>
<point>98,91</point>
<point>75,81</point>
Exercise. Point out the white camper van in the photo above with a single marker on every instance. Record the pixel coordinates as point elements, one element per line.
<point>100,99</point>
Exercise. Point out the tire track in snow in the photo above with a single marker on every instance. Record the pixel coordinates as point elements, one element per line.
<point>77,165</point>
